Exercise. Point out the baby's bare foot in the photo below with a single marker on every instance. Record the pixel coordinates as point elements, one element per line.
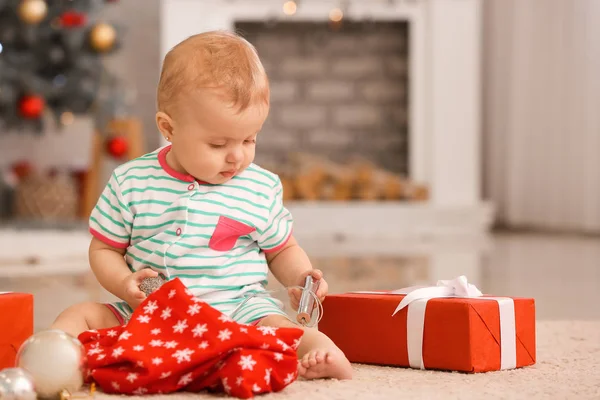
<point>324,364</point>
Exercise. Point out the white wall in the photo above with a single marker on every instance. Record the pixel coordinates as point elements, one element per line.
<point>542,126</point>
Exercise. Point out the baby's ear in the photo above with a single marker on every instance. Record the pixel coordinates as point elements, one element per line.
<point>164,124</point>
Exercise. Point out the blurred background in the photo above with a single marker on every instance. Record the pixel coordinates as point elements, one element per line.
<point>416,140</point>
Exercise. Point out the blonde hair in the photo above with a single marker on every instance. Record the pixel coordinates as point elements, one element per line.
<point>218,60</point>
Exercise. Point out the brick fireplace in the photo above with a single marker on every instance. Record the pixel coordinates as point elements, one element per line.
<point>396,83</point>
<point>336,93</point>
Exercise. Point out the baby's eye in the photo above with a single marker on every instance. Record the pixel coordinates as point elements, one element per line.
<point>217,146</point>
<point>250,141</point>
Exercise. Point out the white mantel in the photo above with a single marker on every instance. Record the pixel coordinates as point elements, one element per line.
<point>445,108</point>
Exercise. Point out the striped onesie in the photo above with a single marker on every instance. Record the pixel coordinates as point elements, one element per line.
<point>212,236</point>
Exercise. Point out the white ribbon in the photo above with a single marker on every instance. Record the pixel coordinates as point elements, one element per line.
<point>416,300</point>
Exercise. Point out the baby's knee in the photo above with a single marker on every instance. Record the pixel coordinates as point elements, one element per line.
<point>80,309</point>
<point>95,315</point>
<point>277,321</point>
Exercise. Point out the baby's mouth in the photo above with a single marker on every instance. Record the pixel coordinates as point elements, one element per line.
<point>229,173</point>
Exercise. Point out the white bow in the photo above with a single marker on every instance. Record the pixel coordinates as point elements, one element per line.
<point>457,287</point>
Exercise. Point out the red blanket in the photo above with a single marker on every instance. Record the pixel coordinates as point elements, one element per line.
<point>174,342</point>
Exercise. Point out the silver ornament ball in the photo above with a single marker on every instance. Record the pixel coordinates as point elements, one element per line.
<point>56,360</point>
<point>16,384</point>
<point>151,284</point>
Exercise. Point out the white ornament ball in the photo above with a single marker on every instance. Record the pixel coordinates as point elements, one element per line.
<point>56,360</point>
<point>16,384</point>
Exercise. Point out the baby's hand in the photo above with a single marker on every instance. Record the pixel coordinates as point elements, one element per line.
<point>133,295</point>
<point>295,294</point>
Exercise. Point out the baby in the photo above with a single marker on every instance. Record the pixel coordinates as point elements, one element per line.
<point>200,210</point>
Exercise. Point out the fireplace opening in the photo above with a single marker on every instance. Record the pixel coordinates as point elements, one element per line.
<point>338,128</point>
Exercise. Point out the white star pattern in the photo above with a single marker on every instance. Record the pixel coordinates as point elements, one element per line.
<point>118,352</point>
<point>111,333</point>
<point>180,326</point>
<point>183,355</point>
<point>244,330</point>
<point>95,350</point>
<point>267,330</point>
<point>256,388</point>
<point>224,335</point>
<point>100,357</point>
<point>199,330</point>
<point>125,335</point>
<point>278,357</point>
<point>151,307</point>
<point>115,385</point>
<point>247,363</point>
<point>155,331</point>
<point>172,293</point>
<point>185,379</point>
<point>196,300</point>
<point>157,361</point>
<point>225,318</point>
<point>156,343</point>
<point>289,378</point>
<point>140,364</point>
<point>239,380</point>
<point>296,344</point>
<point>165,375</point>
<point>140,391</point>
<point>268,376</point>
<point>194,309</point>
<point>203,345</point>
<point>188,292</point>
<point>171,344</point>
<point>283,345</point>
<point>264,346</point>
<point>138,348</point>
<point>131,377</point>
<point>226,387</point>
<point>166,313</point>
<point>143,319</point>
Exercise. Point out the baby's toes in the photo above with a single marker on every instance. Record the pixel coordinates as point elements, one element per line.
<point>306,361</point>
<point>301,368</point>
<point>329,358</point>
<point>320,356</point>
<point>312,359</point>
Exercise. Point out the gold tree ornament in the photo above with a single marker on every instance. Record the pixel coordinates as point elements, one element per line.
<point>103,37</point>
<point>33,11</point>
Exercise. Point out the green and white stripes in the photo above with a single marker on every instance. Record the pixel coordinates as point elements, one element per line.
<point>178,227</point>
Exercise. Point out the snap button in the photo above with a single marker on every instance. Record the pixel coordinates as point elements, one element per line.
<point>178,232</point>
<point>191,186</point>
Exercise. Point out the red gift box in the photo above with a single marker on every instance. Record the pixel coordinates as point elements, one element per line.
<point>453,333</point>
<point>16,325</point>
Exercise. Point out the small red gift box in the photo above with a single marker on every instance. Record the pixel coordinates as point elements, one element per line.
<point>433,328</point>
<point>16,325</point>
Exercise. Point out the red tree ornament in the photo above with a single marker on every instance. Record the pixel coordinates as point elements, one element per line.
<point>31,106</point>
<point>22,169</point>
<point>117,146</point>
<point>73,19</point>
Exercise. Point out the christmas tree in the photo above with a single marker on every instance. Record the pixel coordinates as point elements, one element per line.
<point>51,62</point>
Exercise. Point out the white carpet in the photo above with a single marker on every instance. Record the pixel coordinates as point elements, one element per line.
<point>568,367</point>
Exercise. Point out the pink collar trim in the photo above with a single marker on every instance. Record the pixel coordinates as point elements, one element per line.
<point>162,160</point>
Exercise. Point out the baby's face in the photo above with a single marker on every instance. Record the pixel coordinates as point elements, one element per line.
<point>212,142</point>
